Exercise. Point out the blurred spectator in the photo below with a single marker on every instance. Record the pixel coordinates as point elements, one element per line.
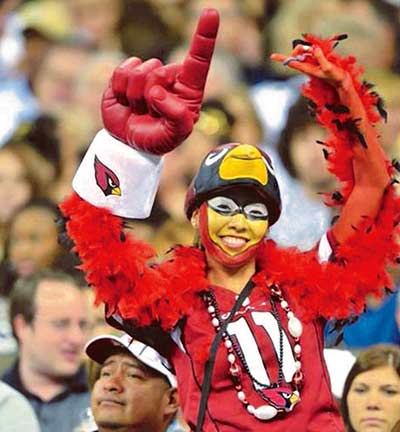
<point>41,25</point>
<point>38,143</point>
<point>134,388</point>
<point>371,395</point>
<point>11,40</point>
<point>91,83</point>
<point>50,18</point>
<point>32,244</point>
<point>48,314</point>
<point>300,169</point>
<point>53,83</point>
<point>17,186</point>
<point>16,413</point>
<point>150,30</point>
<point>301,156</point>
<point>247,127</point>
<point>96,23</point>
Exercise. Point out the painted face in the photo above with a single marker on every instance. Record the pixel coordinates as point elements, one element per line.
<point>374,400</point>
<point>232,228</point>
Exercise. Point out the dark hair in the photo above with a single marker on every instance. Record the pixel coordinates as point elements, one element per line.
<point>64,261</point>
<point>372,358</point>
<point>94,368</point>
<point>19,151</point>
<point>23,294</point>
<point>389,12</point>
<point>42,136</point>
<point>298,118</point>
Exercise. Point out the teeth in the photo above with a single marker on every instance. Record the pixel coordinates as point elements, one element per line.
<point>234,241</point>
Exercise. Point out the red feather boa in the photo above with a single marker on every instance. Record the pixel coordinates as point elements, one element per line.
<point>119,272</point>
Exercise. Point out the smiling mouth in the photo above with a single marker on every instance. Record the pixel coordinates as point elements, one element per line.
<point>234,242</point>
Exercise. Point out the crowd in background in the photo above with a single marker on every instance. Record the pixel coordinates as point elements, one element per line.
<point>55,61</point>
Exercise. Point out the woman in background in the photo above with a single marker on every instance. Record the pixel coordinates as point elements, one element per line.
<point>371,394</point>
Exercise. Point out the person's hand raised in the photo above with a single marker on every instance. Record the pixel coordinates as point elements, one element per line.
<point>153,107</point>
<point>311,60</point>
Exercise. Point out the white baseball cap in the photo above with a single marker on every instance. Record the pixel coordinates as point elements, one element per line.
<point>100,348</point>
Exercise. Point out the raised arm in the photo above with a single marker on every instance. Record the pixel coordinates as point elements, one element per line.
<point>148,109</point>
<point>343,111</point>
<point>364,240</point>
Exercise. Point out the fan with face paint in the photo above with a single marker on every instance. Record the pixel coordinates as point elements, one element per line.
<point>236,197</point>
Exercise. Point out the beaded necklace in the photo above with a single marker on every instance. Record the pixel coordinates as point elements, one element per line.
<point>289,393</point>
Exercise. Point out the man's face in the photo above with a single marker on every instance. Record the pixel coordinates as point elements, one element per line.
<point>128,394</point>
<point>52,345</point>
<point>55,80</point>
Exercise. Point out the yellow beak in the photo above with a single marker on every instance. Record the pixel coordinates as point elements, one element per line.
<point>244,161</point>
<point>116,191</point>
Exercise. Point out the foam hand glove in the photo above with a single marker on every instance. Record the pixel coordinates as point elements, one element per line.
<point>153,107</point>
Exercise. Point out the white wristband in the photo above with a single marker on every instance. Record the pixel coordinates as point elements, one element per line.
<point>118,177</point>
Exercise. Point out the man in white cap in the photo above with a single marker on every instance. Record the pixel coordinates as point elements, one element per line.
<point>135,389</point>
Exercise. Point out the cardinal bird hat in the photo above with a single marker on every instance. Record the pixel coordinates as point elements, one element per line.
<point>232,165</point>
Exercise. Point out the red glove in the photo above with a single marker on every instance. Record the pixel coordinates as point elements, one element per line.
<point>153,107</point>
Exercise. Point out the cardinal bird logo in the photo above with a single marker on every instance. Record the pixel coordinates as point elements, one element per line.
<point>282,398</point>
<point>106,179</point>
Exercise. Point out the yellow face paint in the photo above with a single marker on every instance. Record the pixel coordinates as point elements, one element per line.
<point>244,161</point>
<point>235,234</point>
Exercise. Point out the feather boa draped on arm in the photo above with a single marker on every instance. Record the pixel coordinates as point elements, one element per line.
<point>337,289</point>
<point>117,267</point>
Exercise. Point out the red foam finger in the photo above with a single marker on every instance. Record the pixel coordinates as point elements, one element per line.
<point>119,79</point>
<point>137,80</point>
<point>168,105</point>
<point>164,76</point>
<point>196,65</point>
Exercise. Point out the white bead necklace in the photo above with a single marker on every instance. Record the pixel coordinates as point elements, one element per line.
<point>290,394</point>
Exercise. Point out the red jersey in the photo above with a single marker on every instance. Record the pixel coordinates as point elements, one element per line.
<point>255,330</point>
